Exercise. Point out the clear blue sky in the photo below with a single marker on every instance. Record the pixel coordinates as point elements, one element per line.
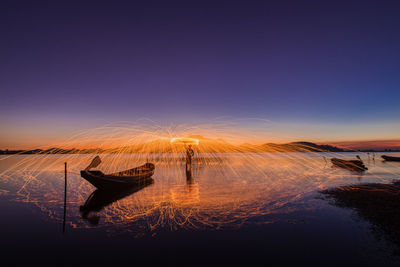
<point>80,64</point>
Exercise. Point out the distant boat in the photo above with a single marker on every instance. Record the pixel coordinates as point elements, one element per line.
<point>125,178</point>
<point>390,158</point>
<point>355,165</point>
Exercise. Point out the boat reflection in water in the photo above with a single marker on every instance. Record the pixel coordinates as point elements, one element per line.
<point>359,174</point>
<point>228,191</point>
<point>101,198</point>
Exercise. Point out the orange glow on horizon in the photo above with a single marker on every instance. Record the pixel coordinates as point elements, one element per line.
<point>148,134</point>
<point>368,144</point>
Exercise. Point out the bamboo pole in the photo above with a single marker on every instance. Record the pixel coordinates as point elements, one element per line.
<point>65,195</point>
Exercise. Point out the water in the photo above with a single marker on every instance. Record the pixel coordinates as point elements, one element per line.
<point>235,207</point>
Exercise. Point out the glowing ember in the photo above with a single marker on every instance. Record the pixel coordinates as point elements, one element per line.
<point>233,180</point>
<point>185,140</point>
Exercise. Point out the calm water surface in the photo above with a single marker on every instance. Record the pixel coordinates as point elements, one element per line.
<point>234,207</point>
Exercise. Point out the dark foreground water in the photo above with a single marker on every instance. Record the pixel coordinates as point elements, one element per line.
<point>247,208</point>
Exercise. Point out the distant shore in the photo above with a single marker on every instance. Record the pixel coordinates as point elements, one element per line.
<point>227,148</point>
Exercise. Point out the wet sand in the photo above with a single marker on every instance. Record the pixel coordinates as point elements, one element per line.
<point>377,203</point>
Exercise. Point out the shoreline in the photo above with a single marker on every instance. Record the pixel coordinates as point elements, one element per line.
<point>377,203</point>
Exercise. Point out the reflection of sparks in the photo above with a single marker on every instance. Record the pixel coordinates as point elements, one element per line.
<point>185,140</point>
<point>224,193</point>
<point>232,184</point>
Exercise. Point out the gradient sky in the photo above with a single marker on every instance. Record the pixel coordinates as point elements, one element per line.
<point>324,69</point>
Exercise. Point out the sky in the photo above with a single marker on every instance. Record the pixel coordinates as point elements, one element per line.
<point>316,70</point>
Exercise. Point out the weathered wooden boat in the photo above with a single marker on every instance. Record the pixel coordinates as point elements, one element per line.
<point>118,179</point>
<point>390,158</point>
<point>355,165</point>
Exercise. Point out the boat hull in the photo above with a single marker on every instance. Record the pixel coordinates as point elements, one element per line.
<point>106,181</point>
<point>390,158</point>
<point>356,165</point>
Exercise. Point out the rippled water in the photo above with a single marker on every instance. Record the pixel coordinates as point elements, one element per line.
<point>225,192</point>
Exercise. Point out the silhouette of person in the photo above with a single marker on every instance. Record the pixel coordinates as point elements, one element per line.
<point>189,155</point>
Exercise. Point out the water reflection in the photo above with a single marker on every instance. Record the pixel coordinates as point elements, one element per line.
<point>228,191</point>
<point>374,202</point>
<point>355,173</point>
<point>190,183</point>
<point>189,178</point>
<point>101,198</point>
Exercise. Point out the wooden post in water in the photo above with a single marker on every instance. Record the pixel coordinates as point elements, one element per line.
<point>65,195</point>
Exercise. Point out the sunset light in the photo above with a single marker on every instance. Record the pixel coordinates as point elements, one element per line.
<point>169,133</point>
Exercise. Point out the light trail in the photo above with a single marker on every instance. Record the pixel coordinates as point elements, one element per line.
<point>233,182</point>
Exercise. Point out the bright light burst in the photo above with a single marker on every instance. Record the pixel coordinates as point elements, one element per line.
<point>184,140</point>
<point>233,180</point>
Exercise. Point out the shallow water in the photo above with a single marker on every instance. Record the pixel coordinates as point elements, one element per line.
<point>242,206</point>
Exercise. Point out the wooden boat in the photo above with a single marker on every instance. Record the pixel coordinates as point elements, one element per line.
<point>390,158</point>
<point>355,165</point>
<point>119,179</point>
